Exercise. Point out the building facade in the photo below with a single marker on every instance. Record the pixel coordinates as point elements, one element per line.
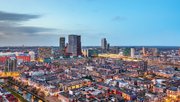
<point>11,65</point>
<point>90,52</point>
<point>103,43</point>
<point>62,45</point>
<point>74,45</point>
<point>132,52</point>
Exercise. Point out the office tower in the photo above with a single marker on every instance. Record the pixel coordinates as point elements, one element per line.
<point>132,52</point>
<point>108,47</point>
<point>44,52</point>
<point>74,46</point>
<point>103,43</point>
<point>61,43</point>
<point>144,51</point>
<point>11,65</point>
<point>179,52</point>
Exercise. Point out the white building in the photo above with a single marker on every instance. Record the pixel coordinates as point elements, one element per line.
<point>32,55</point>
<point>132,52</point>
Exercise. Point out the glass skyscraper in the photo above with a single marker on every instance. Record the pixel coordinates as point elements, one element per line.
<point>74,46</point>
<point>61,43</point>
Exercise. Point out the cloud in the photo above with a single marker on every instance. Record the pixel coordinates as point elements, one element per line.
<point>8,30</point>
<point>11,27</point>
<point>16,17</point>
<point>119,18</point>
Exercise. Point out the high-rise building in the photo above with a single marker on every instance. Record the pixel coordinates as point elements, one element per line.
<point>74,46</point>
<point>11,65</point>
<point>61,43</point>
<point>132,52</point>
<point>108,47</point>
<point>103,43</point>
<point>105,46</point>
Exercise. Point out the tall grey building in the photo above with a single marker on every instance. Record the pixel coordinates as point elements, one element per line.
<point>74,46</point>
<point>103,43</point>
<point>61,43</point>
<point>11,65</point>
<point>108,47</point>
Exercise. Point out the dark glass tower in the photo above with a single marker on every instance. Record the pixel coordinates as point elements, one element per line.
<point>11,65</point>
<point>74,46</point>
<point>61,43</point>
<point>103,43</point>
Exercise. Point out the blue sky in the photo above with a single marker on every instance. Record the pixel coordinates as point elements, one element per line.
<point>122,22</point>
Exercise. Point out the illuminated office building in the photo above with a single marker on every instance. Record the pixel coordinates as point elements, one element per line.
<point>74,45</point>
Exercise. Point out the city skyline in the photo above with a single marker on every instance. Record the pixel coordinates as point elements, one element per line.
<point>123,23</point>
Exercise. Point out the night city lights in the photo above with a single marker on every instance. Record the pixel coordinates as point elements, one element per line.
<point>89,51</point>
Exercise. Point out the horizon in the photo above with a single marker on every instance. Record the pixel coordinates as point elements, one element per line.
<point>94,46</point>
<point>122,23</point>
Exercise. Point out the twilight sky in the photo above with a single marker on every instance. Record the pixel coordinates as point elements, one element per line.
<point>122,22</point>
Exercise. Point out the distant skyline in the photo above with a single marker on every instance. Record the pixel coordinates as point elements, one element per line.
<point>121,22</point>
